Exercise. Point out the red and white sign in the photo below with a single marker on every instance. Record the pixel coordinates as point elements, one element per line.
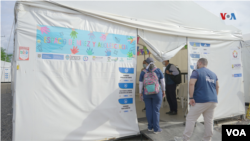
<point>24,53</point>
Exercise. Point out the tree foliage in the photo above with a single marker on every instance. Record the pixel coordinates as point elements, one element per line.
<point>3,55</point>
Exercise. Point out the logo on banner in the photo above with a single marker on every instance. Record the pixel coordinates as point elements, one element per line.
<point>126,70</point>
<point>125,101</point>
<point>116,59</point>
<point>235,54</point>
<point>125,85</point>
<point>67,57</point>
<point>85,58</point>
<point>39,55</point>
<point>96,58</point>
<point>236,66</point>
<point>75,57</point>
<point>228,16</point>
<point>121,60</point>
<point>109,59</point>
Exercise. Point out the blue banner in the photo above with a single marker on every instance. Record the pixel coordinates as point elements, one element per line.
<point>53,56</point>
<point>126,85</point>
<point>195,55</point>
<point>126,70</point>
<point>237,75</point>
<point>126,101</point>
<point>195,44</point>
<point>61,40</point>
<point>205,45</point>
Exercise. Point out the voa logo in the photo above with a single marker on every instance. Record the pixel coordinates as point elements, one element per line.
<point>228,14</point>
<point>236,132</point>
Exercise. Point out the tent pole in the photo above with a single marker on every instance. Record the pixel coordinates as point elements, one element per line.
<point>135,83</point>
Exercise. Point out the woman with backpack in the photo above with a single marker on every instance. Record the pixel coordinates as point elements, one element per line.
<point>152,83</point>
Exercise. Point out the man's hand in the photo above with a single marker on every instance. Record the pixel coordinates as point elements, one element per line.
<point>167,72</point>
<point>163,94</point>
<point>141,97</point>
<point>192,102</point>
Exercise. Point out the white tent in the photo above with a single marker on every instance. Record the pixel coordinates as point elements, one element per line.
<point>5,71</point>
<point>246,66</point>
<point>77,63</point>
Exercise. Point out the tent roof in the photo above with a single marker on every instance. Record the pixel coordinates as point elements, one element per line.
<point>181,18</point>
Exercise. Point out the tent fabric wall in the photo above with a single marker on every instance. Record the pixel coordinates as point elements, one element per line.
<point>246,71</point>
<point>162,46</point>
<point>231,90</point>
<point>36,107</point>
<point>153,22</point>
<point>178,23</point>
<point>66,100</point>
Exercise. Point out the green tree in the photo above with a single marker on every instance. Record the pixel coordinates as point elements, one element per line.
<point>3,55</point>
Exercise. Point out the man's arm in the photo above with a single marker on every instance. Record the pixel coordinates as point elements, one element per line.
<point>217,87</point>
<point>174,70</point>
<point>191,91</point>
<point>191,87</point>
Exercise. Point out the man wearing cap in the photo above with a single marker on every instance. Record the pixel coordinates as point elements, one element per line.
<point>171,87</point>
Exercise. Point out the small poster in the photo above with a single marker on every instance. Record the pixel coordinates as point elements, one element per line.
<point>24,53</point>
<point>236,66</point>
<point>126,89</point>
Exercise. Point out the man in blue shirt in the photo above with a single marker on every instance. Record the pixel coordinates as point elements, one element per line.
<point>171,87</point>
<point>203,91</point>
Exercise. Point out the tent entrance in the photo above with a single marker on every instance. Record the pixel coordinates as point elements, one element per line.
<point>181,61</point>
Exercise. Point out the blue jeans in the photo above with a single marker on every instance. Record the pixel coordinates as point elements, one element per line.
<point>153,105</point>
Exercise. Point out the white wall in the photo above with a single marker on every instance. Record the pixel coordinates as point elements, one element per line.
<point>246,72</point>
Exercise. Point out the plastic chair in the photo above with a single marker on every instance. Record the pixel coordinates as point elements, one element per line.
<point>183,93</point>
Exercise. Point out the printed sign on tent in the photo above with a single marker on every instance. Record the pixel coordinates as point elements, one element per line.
<point>143,51</point>
<point>58,43</point>
<point>24,53</point>
<point>235,55</point>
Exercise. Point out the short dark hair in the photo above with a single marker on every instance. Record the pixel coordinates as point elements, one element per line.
<point>203,61</point>
<point>168,61</point>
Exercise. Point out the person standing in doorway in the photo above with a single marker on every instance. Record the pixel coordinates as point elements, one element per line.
<point>203,91</point>
<point>152,82</point>
<point>171,87</point>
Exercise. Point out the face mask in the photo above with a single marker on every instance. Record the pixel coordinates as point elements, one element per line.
<point>144,65</point>
<point>163,63</point>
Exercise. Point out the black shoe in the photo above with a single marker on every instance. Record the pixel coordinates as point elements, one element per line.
<point>144,109</point>
<point>173,113</point>
<point>169,112</point>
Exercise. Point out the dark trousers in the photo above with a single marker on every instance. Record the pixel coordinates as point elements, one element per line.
<point>171,97</point>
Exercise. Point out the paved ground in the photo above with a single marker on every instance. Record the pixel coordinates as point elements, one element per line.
<point>6,117</point>
<point>6,112</point>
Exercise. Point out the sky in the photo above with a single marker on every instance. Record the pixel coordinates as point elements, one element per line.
<point>6,21</point>
<point>242,8</point>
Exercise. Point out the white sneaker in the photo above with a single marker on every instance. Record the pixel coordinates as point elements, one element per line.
<point>151,130</point>
<point>158,131</point>
<point>178,138</point>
